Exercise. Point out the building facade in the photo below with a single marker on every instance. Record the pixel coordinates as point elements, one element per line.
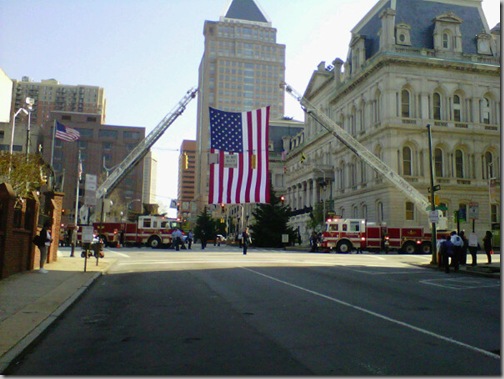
<point>186,182</point>
<point>102,148</point>
<point>410,63</point>
<point>241,69</point>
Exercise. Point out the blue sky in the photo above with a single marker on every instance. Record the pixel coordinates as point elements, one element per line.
<point>146,53</point>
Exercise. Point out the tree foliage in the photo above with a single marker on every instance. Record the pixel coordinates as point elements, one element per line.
<point>271,222</point>
<point>206,224</point>
<point>24,173</point>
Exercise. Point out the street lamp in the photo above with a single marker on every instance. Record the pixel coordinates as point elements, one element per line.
<point>12,135</point>
<point>29,103</point>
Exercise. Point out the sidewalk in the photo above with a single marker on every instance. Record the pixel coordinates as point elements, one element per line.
<point>31,301</point>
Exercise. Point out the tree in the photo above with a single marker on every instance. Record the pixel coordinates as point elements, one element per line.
<point>206,224</point>
<point>27,173</point>
<point>271,222</point>
<point>316,217</point>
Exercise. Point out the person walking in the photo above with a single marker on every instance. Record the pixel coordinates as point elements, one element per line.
<point>487,245</point>
<point>177,238</point>
<point>458,243</point>
<point>246,240</point>
<point>190,237</point>
<point>203,240</point>
<point>463,249</point>
<point>45,233</point>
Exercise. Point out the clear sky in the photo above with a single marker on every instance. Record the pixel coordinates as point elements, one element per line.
<point>146,53</point>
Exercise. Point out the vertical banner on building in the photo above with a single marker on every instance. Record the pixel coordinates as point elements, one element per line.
<point>239,157</point>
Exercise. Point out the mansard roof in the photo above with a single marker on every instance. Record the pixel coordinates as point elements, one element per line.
<point>420,16</point>
<point>247,10</point>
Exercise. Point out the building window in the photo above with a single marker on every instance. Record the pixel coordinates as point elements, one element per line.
<point>489,169</point>
<point>438,162</point>
<point>379,208</point>
<point>407,163</point>
<point>410,211</point>
<point>437,106</point>
<point>446,40</point>
<point>459,164</point>
<point>456,108</point>
<point>485,111</point>
<point>494,213</point>
<point>405,103</point>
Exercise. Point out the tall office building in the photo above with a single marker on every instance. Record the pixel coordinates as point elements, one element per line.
<point>186,180</point>
<point>241,69</point>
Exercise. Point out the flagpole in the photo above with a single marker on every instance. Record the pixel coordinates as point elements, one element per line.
<point>77,190</point>
<point>52,142</point>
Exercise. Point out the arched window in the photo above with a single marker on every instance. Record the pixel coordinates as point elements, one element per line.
<point>407,161</point>
<point>405,103</point>
<point>410,211</point>
<point>436,106</point>
<point>457,116</point>
<point>489,165</point>
<point>446,40</point>
<point>379,211</point>
<point>438,162</point>
<point>459,163</point>
<point>485,111</point>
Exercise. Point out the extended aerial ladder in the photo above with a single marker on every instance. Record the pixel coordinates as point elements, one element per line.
<point>139,152</point>
<point>362,152</point>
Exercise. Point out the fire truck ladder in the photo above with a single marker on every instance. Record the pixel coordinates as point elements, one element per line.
<point>139,152</point>
<point>362,152</point>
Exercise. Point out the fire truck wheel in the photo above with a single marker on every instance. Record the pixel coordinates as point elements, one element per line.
<point>409,248</point>
<point>344,247</point>
<point>154,242</point>
<point>426,248</point>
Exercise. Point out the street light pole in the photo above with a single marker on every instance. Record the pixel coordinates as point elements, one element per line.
<point>12,135</point>
<point>29,101</point>
<point>433,202</point>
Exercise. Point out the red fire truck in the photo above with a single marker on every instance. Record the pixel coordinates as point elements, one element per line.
<point>344,235</point>
<point>153,231</point>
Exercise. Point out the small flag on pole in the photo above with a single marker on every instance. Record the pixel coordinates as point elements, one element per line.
<point>65,133</point>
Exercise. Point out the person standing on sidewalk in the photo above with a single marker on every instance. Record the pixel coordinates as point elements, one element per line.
<point>45,233</point>
<point>487,245</point>
<point>73,240</point>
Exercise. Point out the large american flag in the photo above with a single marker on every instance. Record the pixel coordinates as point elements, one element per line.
<point>65,133</point>
<point>239,157</point>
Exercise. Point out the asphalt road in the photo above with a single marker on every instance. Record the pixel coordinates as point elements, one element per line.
<point>218,312</point>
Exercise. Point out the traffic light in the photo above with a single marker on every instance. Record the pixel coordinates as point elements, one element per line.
<point>63,212</point>
<point>282,199</point>
<point>222,208</point>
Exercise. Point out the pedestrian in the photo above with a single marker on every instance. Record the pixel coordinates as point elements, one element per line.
<point>45,233</point>
<point>458,243</point>
<point>313,242</point>
<point>177,238</point>
<point>203,240</point>
<point>487,245</point>
<point>246,240</point>
<point>463,249</point>
<point>448,251</point>
<point>190,237</point>
<point>73,240</point>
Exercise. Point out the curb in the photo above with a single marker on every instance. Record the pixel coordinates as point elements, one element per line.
<point>8,358</point>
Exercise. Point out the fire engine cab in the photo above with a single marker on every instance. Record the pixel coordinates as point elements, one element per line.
<point>153,231</point>
<point>344,235</point>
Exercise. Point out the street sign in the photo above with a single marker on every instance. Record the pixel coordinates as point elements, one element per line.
<point>434,216</point>
<point>473,210</point>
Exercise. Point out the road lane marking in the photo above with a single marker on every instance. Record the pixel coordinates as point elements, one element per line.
<point>378,315</point>
<point>458,284</point>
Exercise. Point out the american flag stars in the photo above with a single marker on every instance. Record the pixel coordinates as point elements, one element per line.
<point>226,131</point>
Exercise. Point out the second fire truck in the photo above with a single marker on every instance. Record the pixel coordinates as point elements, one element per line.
<point>344,235</point>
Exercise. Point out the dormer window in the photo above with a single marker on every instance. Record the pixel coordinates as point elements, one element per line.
<point>403,34</point>
<point>447,35</point>
<point>484,43</point>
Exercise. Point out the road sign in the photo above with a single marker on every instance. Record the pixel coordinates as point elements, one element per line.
<point>434,216</point>
<point>473,210</point>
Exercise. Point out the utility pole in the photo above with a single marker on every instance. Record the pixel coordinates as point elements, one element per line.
<point>433,202</point>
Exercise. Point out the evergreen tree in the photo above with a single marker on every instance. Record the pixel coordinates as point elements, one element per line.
<point>204,223</point>
<point>271,222</point>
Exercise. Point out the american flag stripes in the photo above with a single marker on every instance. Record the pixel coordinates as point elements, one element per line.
<point>239,157</point>
<point>65,133</point>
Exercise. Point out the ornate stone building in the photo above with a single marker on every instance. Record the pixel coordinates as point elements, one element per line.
<point>410,63</point>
